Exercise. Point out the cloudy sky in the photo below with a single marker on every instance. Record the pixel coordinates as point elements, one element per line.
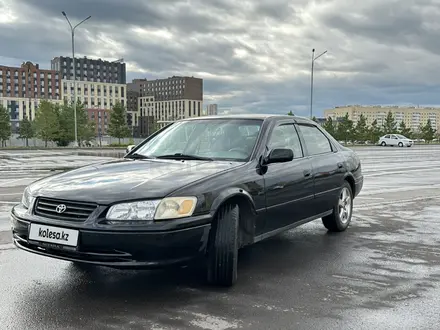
<point>254,56</point>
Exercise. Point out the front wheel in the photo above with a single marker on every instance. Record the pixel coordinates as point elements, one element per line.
<point>223,247</point>
<point>400,144</point>
<point>341,217</point>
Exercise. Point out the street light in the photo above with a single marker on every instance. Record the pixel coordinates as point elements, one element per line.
<point>72,29</point>
<point>311,83</point>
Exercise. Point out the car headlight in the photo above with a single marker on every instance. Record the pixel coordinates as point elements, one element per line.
<point>167,208</point>
<point>26,198</point>
<point>175,207</point>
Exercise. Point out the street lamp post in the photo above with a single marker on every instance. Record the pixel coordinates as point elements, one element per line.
<point>311,82</point>
<point>72,29</point>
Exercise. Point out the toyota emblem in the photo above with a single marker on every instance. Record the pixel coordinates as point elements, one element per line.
<point>61,208</point>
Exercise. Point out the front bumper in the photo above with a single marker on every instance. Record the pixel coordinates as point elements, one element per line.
<point>120,249</point>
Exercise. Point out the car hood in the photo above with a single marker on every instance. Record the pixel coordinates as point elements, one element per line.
<point>126,179</point>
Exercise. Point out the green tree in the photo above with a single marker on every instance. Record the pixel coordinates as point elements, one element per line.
<point>361,130</point>
<point>26,130</point>
<point>329,126</point>
<point>345,129</point>
<point>405,131</point>
<point>390,126</point>
<point>374,132</point>
<point>314,119</point>
<point>118,122</point>
<point>290,113</point>
<point>85,127</point>
<point>66,131</point>
<point>5,125</point>
<point>428,133</point>
<point>46,122</point>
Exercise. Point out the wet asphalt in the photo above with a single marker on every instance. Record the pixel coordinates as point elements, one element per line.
<point>382,273</point>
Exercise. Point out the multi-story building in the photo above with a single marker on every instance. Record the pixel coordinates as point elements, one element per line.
<point>132,103</point>
<point>100,84</point>
<point>98,99</point>
<point>90,70</point>
<point>95,95</point>
<point>169,89</point>
<point>164,100</point>
<point>101,117</point>
<point>413,117</point>
<point>23,88</point>
<point>212,110</point>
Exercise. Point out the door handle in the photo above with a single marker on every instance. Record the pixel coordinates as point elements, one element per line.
<point>307,173</point>
<point>340,165</point>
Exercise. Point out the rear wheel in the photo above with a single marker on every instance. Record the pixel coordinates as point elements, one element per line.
<point>223,247</point>
<point>341,217</point>
<point>383,144</point>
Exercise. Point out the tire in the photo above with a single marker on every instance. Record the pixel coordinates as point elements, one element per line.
<point>400,144</point>
<point>223,247</point>
<point>383,144</point>
<point>336,222</point>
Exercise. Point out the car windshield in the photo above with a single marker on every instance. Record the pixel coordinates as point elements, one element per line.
<point>216,139</point>
<point>400,136</point>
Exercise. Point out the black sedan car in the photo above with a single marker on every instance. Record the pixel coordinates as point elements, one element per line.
<point>198,189</point>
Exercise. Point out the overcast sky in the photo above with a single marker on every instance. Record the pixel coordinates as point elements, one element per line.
<point>254,56</point>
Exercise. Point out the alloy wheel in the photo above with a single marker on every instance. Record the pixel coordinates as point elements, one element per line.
<point>344,205</point>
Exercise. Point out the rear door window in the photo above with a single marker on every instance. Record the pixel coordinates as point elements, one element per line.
<point>316,142</point>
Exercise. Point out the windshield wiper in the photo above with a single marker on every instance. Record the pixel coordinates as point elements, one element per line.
<point>180,156</point>
<point>137,156</point>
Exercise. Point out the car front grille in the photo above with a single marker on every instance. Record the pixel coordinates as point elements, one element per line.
<point>72,211</point>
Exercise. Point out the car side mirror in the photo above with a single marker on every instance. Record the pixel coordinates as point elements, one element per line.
<point>279,155</point>
<point>129,148</point>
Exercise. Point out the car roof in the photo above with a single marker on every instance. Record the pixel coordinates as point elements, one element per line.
<point>251,116</point>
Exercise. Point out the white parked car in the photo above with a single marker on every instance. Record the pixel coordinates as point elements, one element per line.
<point>395,140</point>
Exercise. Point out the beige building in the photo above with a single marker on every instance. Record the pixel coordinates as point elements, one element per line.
<point>167,110</point>
<point>95,95</point>
<point>20,107</point>
<point>412,116</point>
<point>163,100</point>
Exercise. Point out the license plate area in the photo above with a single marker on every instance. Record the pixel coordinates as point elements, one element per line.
<point>53,237</point>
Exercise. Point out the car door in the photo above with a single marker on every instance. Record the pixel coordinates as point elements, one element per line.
<point>391,140</point>
<point>327,167</point>
<point>394,140</point>
<point>289,185</point>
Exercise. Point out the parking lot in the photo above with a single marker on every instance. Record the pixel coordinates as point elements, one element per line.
<point>382,273</point>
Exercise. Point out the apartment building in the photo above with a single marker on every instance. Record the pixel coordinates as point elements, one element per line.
<point>94,95</point>
<point>413,117</point>
<point>132,104</point>
<point>96,70</point>
<point>101,117</point>
<point>100,85</point>
<point>22,89</point>
<point>164,100</point>
<point>212,110</point>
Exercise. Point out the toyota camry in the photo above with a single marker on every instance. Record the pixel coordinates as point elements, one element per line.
<point>199,189</point>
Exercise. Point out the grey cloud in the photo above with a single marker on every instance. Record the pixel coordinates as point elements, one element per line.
<point>378,51</point>
<point>390,23</point>
<point>277,9</point>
